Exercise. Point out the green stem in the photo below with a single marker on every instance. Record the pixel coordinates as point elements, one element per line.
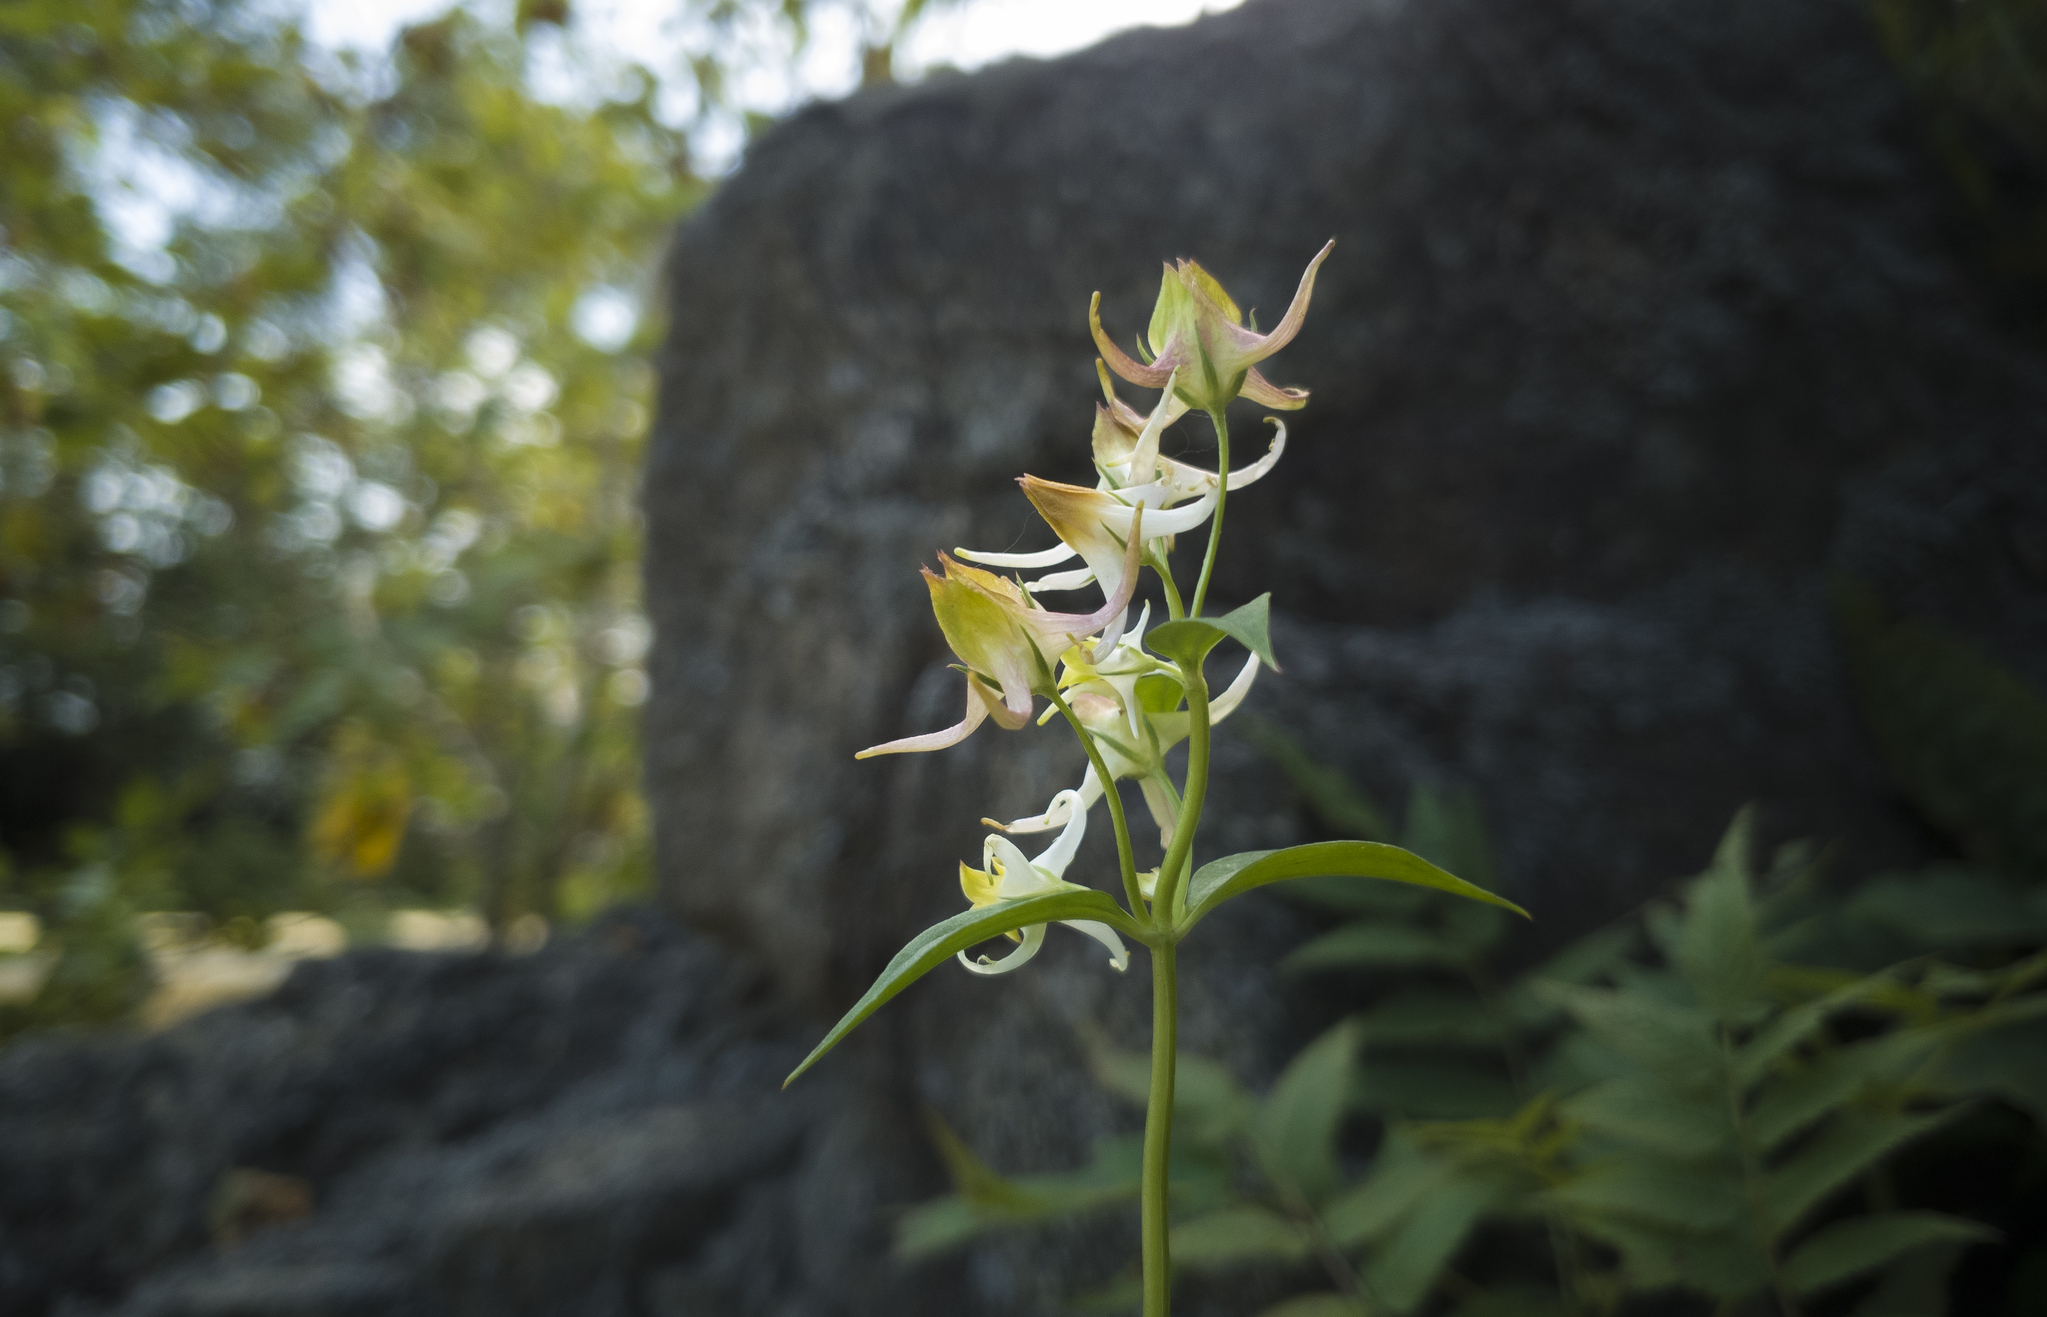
<point>1124,855</point>
<point>1174,610</point>
<point>1158,1131</point>
<point>1222,495</point>
<point>1166,895</point>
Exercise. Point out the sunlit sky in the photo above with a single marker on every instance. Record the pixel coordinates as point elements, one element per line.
<point>964,34</point>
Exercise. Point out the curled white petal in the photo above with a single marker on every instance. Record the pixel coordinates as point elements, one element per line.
<point>1072,580</point>
<point>1225,704</point>
<point>1119,955</point>
<point>1033,938</point>
<point>1060,853</point>
<point>1060,810</point>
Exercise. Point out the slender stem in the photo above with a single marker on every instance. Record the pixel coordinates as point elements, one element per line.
<point>1158,1131</point>
<point>1166,894</point>
<point>1174,610</point>
<point>1124,855</point>
<point>1222,496</point>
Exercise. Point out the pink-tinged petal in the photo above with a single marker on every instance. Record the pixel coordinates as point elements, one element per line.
<point>1076,625</point>
<point>1296,312</point>
<point>977,710</point>
<point>1265,393</point>
<point>1151,377</point>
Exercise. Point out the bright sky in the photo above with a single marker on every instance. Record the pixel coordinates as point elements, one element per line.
<point>966,34</point>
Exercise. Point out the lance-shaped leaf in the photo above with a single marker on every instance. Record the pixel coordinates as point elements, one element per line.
<point>1219,880</point>
<point>940,942</point>
<point>1189,639</point>
<point>1846,1249</point>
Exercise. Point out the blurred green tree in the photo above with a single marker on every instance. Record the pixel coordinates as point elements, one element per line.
<point>318,537</point>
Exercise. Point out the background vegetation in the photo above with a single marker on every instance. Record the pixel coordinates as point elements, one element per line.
<point>322,395</point>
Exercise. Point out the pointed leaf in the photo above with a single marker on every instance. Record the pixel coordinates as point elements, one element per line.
<point>1298,1122</point>
<point>1838,1155</point>
<point>1319,1305</point>
<point>1235,1235</point>
<point>1402,1269</point>
<point>1189,639</point>
<point>1401,1175</point>
<point>1362,945</point>
<point>1641,1110</point>
<point>1848,1248</point>
<point>1219,880</point>
<point>1795,1101</point>
<point>938,943</point>
<point>1675,1042</point>
<point>1716,946</point>
<point>1697,1198</point>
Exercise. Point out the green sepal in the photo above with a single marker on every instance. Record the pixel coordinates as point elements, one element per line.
<point>941,941</point>
<point>1189,639</point>
<point>1233,875</point>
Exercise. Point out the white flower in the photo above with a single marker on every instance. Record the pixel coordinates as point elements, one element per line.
<point>1008,875</point>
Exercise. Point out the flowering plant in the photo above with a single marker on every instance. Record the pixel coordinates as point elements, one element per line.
<point>1130,695</point>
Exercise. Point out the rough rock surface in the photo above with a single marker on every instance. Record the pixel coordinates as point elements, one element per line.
<point>1639,325</point>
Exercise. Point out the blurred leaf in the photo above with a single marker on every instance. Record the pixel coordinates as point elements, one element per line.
<point>1337,801</point>
<point>1403,1267</point>
<point>1832,1080</point>
<point>1641,1111</point>
<point>1234,1236</point>
<point>1675,1042</point>
<point>1846,1249</point>
<point>1369,946</point>
<point>1841,1152</point>
<point>1701,1198</point>
<point>1716,948</point>
<point>1297,1123</point>
<point>1319,1305</point>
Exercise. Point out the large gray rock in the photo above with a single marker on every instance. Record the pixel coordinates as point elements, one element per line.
<point>1639,325</point>
<point>1628,302</point>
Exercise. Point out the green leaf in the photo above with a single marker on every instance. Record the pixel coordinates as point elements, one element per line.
<point>1640,1110</point>
<point>1697,1198</point>
<point>1447,827</point>
<point>1716,946</point>
<point>1208,1105</point>
<point>1798,1024</point>
<point>1726,1265</point>
<point>1846,1249</point>
<point>1842,1152</point>
<point>1675,1042</point>
<point>1298,1121</point>
<point>1319,1305</point>
<point>1189,639</point>
<point>1795,1101</point>
<point>941,941</point>
<point>1431,1018</point>
<point>2006,1065</point>
<point>1431,1089</point>
<point>1358,946</point>
<point>1219,880</point>
<point>1401,1175</point>
<point>1236,1235</point>
<point>1401,1271</point>
<point>1916,1285</point>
